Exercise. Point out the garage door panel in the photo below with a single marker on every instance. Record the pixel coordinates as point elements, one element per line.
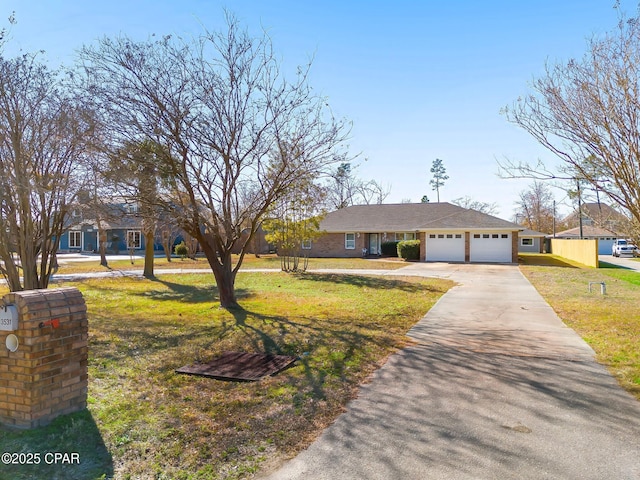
<point>445,247</point>
<point>491,247</point>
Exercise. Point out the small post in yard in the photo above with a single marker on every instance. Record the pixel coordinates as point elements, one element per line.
<point>603,287</point>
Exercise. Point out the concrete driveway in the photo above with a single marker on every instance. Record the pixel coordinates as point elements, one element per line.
<point>495,387</point>
<point>624,262</point>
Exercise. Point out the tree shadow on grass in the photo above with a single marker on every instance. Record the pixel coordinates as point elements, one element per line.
<point>364,281</point>
<point>76,433</point>
<point>189,293</point>
<point>279,335</point>
<point>544,260</point>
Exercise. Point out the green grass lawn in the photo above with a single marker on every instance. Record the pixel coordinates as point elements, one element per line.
<point>609,323</point>
<point>249,262</point>
<point>145,421</point>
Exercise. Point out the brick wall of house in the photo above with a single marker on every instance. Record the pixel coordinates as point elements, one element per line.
<point>47,375</point>
<point>467,247</point>
<point>514,247</point>
<point>333,245</point>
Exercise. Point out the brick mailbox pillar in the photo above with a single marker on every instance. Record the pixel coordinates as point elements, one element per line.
<point>43,356</point>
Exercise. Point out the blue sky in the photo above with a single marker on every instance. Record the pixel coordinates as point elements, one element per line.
<point>420,80</point>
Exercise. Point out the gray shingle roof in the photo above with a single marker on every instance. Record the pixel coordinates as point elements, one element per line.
<point>532,233</point>
<point>409,217</point>
<point>587,231</point>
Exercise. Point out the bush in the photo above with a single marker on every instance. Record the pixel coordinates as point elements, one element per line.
<point>390,249</point>
<point>409,249</point>
<point>181,250</point>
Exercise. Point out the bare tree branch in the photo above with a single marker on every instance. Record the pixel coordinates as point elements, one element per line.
<point>586,112</point>
<point>235,133</point>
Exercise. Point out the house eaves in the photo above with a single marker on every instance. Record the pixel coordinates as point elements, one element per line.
<point>411,217</point>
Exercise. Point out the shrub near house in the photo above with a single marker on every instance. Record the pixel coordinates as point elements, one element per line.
<point>390,249</point>
<point>409,249</point>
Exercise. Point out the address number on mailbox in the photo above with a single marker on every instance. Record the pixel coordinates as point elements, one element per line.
<point>8,317</point>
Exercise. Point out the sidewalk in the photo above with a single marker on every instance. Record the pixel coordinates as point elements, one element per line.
<point>494,387</point>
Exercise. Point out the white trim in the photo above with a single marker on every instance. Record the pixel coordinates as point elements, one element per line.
<point>137,245</point>
<point>72,235</point>
<point>347,241</point>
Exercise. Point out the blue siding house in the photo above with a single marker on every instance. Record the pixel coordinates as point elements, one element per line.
<point>123,229</point>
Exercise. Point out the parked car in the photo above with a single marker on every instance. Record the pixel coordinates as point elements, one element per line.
<point>622,247</point>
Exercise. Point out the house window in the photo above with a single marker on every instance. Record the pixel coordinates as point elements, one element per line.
<point>505,235</point>
<point>526,242</point>
<point>349,241</point>
<point>133,240</point>
<point>449,235</point>
<point>458,235</point>
<point>495,235</point>
<point>131,208</point>
<point>400,236</point>
<point>485,235</point>
<point>75,239</point>
<point>441,235</point>
<point>432,235</point>
<point>476,235</point>
<point>306,245</point>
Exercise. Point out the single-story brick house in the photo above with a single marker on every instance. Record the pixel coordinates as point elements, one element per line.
<point>447,232</point>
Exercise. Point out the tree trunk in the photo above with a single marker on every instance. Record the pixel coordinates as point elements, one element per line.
<point>166,245</point>
<point>256,246</point>
<point>148,254</point>
<point>223,273</point>
<point>102,242</point>
<point>225,280</point>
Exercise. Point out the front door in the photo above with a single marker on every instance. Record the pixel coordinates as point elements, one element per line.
<point>373,244</point>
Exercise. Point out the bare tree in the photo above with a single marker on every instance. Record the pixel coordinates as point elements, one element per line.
<point>373,192</point>
<point>342,187</point>
<point>235,133</point>
<point>483,207</point>
<point>586,112</point>
<point>535,208</point>
<point>166,234</point>
<point>43,135</point>
<point>4,32</point>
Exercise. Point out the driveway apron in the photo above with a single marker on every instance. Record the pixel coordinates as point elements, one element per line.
<point>494,386</point>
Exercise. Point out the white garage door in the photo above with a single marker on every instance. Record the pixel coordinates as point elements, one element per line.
<point>604,246</point>
<point>490,247</point>
<point>445,247</point>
